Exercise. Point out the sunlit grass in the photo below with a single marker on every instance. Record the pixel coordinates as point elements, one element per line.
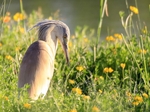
<point>112,76</point>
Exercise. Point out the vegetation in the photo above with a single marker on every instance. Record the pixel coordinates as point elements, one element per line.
<point>111,76</point>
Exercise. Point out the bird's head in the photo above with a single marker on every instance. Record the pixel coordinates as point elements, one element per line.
<point>63,34</point>
<point>58,30</point>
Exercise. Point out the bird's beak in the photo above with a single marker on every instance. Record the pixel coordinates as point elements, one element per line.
<point>65,47</point>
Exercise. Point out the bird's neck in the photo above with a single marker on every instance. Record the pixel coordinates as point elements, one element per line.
<point>51,40</point>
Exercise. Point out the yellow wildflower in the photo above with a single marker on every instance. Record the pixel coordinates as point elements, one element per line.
<point>135,103</point>
<point>86,40</point>
<point>21,29</point>
<point>138,99</point>
<point>134,9</point>
<point>70,44</point>
<point>77,90</point>
<point>73,36</point>
<point>73,110</point>
<point>142,51</point>
<point>17,48</point>
<point>122,65</point>
<point>107,38</point>
<point>108,70</point>
<point>110,38</point>
<point>71,81</point>
<point>100,91</point>
<point>86,97</point>
<point>105,70</point>
<point>50,18</point>
<point>27,105</point>
<point>18,17</point>
<point>9,57</point>
<point>145,95</point>
<point>101,78</point>
<point>6,98</point>
<point>117,35</point>
<point>144,30</point>
<point>80,68</point>
<point>0,44</point>
<point>95,109</point>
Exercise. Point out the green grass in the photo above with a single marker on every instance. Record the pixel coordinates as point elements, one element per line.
<point>105,85</point>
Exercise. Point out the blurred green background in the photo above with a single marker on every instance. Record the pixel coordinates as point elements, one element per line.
<point>84,12</point>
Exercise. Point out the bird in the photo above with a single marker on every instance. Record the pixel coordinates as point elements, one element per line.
<point>37,66</point>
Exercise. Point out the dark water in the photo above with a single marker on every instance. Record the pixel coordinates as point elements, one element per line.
<point>85,12</point>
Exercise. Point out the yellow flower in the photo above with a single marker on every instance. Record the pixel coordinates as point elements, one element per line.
<point>73,37</point>
<point>18,16</point>
<point>100,91</point>
<point>71,81</point>
<point>80,68</point>
<point>138,99</point>
<point>27,105</point>
<point>135,103</point>
<point>21,29</point>
<point>142,51</point>
<point>86,97</point>
<point>73,110</point>
<point>50,18</point>
<point>145,95</point>
<point>0,44</point>
<point>134,9</point>
<point>86,40</point>
<point>110,38</point>
<point>117,35</point>
<point>17,48</point>
<point>70,44</point>
<point>105,70</point>
<point>144,30</point>
<point>108,70</point>
<point>6,98</point>
<point>122,65</point>
<point>101,78</point>
<point>9,57</point>
<point>95,109</point>
<point>77,90</point>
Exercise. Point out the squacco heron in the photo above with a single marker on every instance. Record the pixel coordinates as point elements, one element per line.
<point>37,66</point>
